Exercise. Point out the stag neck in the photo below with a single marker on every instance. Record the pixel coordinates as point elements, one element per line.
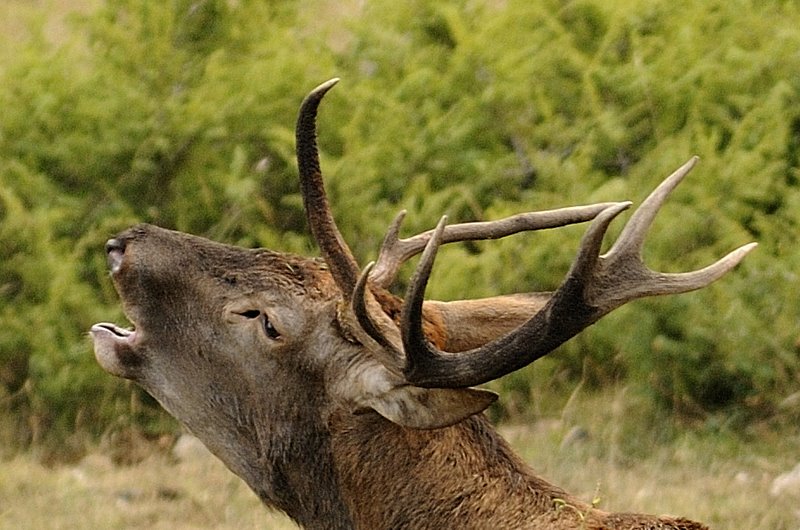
<point>285,456</point>
<point>298,478</point>
<point>462,476</point>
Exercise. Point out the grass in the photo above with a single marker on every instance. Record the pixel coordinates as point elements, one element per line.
<point>720,479</point>
<point>156,493</point>
<point>628,462</point>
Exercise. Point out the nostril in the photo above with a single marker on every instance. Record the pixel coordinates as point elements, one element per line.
<point>115,244</point>
<point>115,250</point>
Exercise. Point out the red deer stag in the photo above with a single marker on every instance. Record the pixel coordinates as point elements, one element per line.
<point>345,406</point>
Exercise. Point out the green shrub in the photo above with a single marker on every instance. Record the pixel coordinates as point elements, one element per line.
<point>181,113</point>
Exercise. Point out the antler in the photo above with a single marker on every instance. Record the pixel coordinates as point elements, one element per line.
<point>594,286</point>
<point>344,267</point>
<point>395,251</point>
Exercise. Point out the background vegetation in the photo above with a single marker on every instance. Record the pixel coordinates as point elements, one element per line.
<point>181,113</point>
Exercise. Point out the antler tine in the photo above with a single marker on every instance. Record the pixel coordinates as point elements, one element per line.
<point>417,347</point>
<point>364,317</point>
<point>636,229</point>
<point>588,253</point>
<point>344,267</point>
<point>392,254</point>
<point>395,251</point>
<point>676,283</point>
<point>625,255</point>
<point>595,285</point>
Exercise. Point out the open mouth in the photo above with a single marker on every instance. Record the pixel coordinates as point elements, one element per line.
<point>113,329</point>
<point>115,349</point>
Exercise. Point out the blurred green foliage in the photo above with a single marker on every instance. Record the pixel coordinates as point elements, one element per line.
<point>181,113</point>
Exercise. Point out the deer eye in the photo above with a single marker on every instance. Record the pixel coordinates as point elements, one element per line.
<point>269,329</point>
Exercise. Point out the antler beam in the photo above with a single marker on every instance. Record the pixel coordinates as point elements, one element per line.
<point>595,285</point>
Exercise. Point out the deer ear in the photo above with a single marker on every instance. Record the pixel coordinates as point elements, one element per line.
<point>370,385</point>
<point>430,408</point>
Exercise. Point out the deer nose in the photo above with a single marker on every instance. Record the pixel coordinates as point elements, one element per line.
<point>115,250</point>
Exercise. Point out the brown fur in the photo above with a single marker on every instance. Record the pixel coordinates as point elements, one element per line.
<point>275,410</point>
<point>464,476</point>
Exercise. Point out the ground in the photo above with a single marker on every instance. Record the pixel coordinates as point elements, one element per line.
<point>722,481</point>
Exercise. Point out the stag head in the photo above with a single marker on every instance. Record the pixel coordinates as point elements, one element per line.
<point>255,351</point>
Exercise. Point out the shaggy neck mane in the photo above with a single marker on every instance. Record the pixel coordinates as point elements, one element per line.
<point>466,474</point>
